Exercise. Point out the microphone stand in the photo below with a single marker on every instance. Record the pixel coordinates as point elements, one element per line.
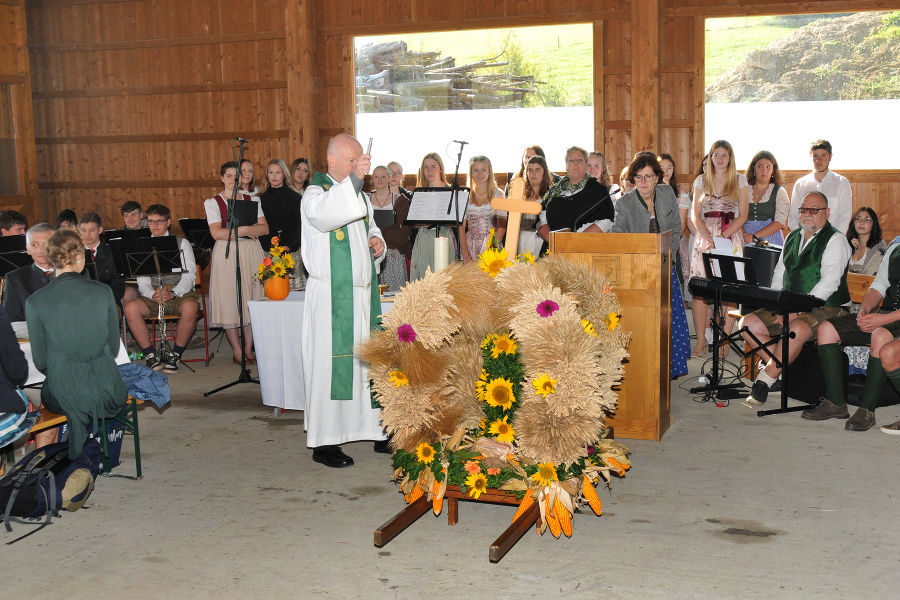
<point>454,200</point>
<point>244,376</point>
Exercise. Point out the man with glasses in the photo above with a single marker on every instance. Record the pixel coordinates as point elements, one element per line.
<point>876,324</point>
<point>835,187</point>
<point>175,291</point>
<point>814,261</point>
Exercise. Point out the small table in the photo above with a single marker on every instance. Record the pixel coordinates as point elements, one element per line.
<point>277,329</point>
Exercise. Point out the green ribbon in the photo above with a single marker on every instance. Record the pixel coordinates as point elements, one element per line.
<point>342,304</point>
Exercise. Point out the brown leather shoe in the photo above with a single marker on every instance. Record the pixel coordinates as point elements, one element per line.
<point>862,420</point>
<point>826,410</point>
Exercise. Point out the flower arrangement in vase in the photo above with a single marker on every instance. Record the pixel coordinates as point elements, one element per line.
<point>275,270</point>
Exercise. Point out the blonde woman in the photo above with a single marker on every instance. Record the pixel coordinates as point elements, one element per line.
<point>718,210</point>
<point>431,174</point>
<point>480,216</point>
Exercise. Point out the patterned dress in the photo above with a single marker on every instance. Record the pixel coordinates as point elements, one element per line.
<point>773,206</point>
<point>479,220</point>
<point>715,206</point>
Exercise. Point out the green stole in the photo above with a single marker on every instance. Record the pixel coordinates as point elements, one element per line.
<point>342,303</point>
<point>803,270</point>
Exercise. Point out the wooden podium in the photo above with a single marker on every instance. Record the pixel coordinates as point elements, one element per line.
<point>638,267</point>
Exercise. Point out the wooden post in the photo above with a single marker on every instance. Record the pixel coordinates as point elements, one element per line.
<point>304,84</point>
<point>515,205</point>
<point>645,75</point>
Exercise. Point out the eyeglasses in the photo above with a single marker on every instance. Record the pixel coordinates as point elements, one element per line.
<point>862,220</point>
<point>157,221</point>
<point>810,210</point>
<point>643,178</point>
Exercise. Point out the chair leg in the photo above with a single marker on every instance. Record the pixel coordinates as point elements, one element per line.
<point>135,432</point>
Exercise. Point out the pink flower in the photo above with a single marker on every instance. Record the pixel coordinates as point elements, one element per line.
<point>472,467</point>
<point>406,333</point>
<point>493,471</point>
<point>547,308</point>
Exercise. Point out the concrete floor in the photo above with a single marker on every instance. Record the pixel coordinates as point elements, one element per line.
<point>728,505</point>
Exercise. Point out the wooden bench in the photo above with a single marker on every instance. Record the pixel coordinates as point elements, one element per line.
<point>127,417</point>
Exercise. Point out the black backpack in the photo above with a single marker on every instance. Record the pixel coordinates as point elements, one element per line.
<point>45,481</point>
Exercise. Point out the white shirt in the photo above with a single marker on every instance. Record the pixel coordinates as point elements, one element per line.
<point>882,280</point>
<point>834,262</point>
<point>188,274</point>
<point>836,189</point>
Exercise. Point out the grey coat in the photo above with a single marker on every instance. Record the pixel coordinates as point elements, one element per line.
<point>632,215</point>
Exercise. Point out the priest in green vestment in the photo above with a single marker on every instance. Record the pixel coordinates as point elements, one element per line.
<point>341,246</point>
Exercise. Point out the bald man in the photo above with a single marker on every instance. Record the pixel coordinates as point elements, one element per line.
<point>341,246</point>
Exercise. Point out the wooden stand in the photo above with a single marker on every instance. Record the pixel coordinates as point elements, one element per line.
<point>638,267</point>
<point>501,545</point>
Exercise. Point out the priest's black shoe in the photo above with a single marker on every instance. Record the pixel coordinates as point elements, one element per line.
<point>384,447</point>
<point>331,456</point>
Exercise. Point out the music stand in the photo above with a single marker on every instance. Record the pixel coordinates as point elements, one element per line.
<point>149,256</point>
<point>196,232</point>
<point>437,206</point>
<point>111,234</point>
<point>13,254</point>
<point>725,269</point>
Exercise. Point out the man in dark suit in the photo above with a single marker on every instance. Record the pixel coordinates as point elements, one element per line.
<point>99,263</point>
<point>25,281</point>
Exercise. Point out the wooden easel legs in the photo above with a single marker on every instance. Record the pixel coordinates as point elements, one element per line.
<point>412,512</point>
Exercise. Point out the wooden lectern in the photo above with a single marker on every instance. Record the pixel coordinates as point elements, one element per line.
<point>638,268</point>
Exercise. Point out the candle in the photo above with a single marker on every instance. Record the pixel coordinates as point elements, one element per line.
<point>441,253</point>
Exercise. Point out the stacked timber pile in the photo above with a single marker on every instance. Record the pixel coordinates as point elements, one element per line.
<point>391,78</point>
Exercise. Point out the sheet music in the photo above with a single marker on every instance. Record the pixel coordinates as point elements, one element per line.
<point>726,246</point>
<point>431,206</point>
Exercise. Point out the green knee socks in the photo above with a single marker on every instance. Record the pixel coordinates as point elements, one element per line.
<point>875,380</point>
<point>894,377</point>
<point>832,361</point>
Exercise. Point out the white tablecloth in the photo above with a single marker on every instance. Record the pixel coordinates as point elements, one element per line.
<point>276,340</point>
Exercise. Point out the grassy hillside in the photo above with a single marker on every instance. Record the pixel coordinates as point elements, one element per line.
<point>728,41</point>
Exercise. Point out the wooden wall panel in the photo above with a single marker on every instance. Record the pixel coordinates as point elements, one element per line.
<point>16,113</point>
<point>140,98</point>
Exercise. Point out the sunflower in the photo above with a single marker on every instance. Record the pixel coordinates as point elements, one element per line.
<point>543,385</point>
<point>493,261</point>
<point>503,343</point>
<point>527,257</point>
<point>499,392</point>
<point>588,327</point>
<point>278,270</point>
<point>398,379</point>
<point>503,431</point>
<point>487,341</point>
<point>546,474</point>
<point>476,483</point>
<point>612,320</point>
<point>288,261</point>
<point>425,453</point>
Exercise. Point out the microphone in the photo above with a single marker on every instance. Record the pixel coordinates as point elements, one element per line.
<point>460,142</point>
<point>242,140</point>
<point>589,210</point>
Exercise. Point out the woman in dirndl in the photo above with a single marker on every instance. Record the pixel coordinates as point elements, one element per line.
<point>223,306</point>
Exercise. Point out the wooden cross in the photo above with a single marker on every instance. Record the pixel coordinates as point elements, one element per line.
<point>515,205</point>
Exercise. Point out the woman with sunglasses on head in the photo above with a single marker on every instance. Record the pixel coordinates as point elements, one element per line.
<point>301,174</point>
<point>864,234</point>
